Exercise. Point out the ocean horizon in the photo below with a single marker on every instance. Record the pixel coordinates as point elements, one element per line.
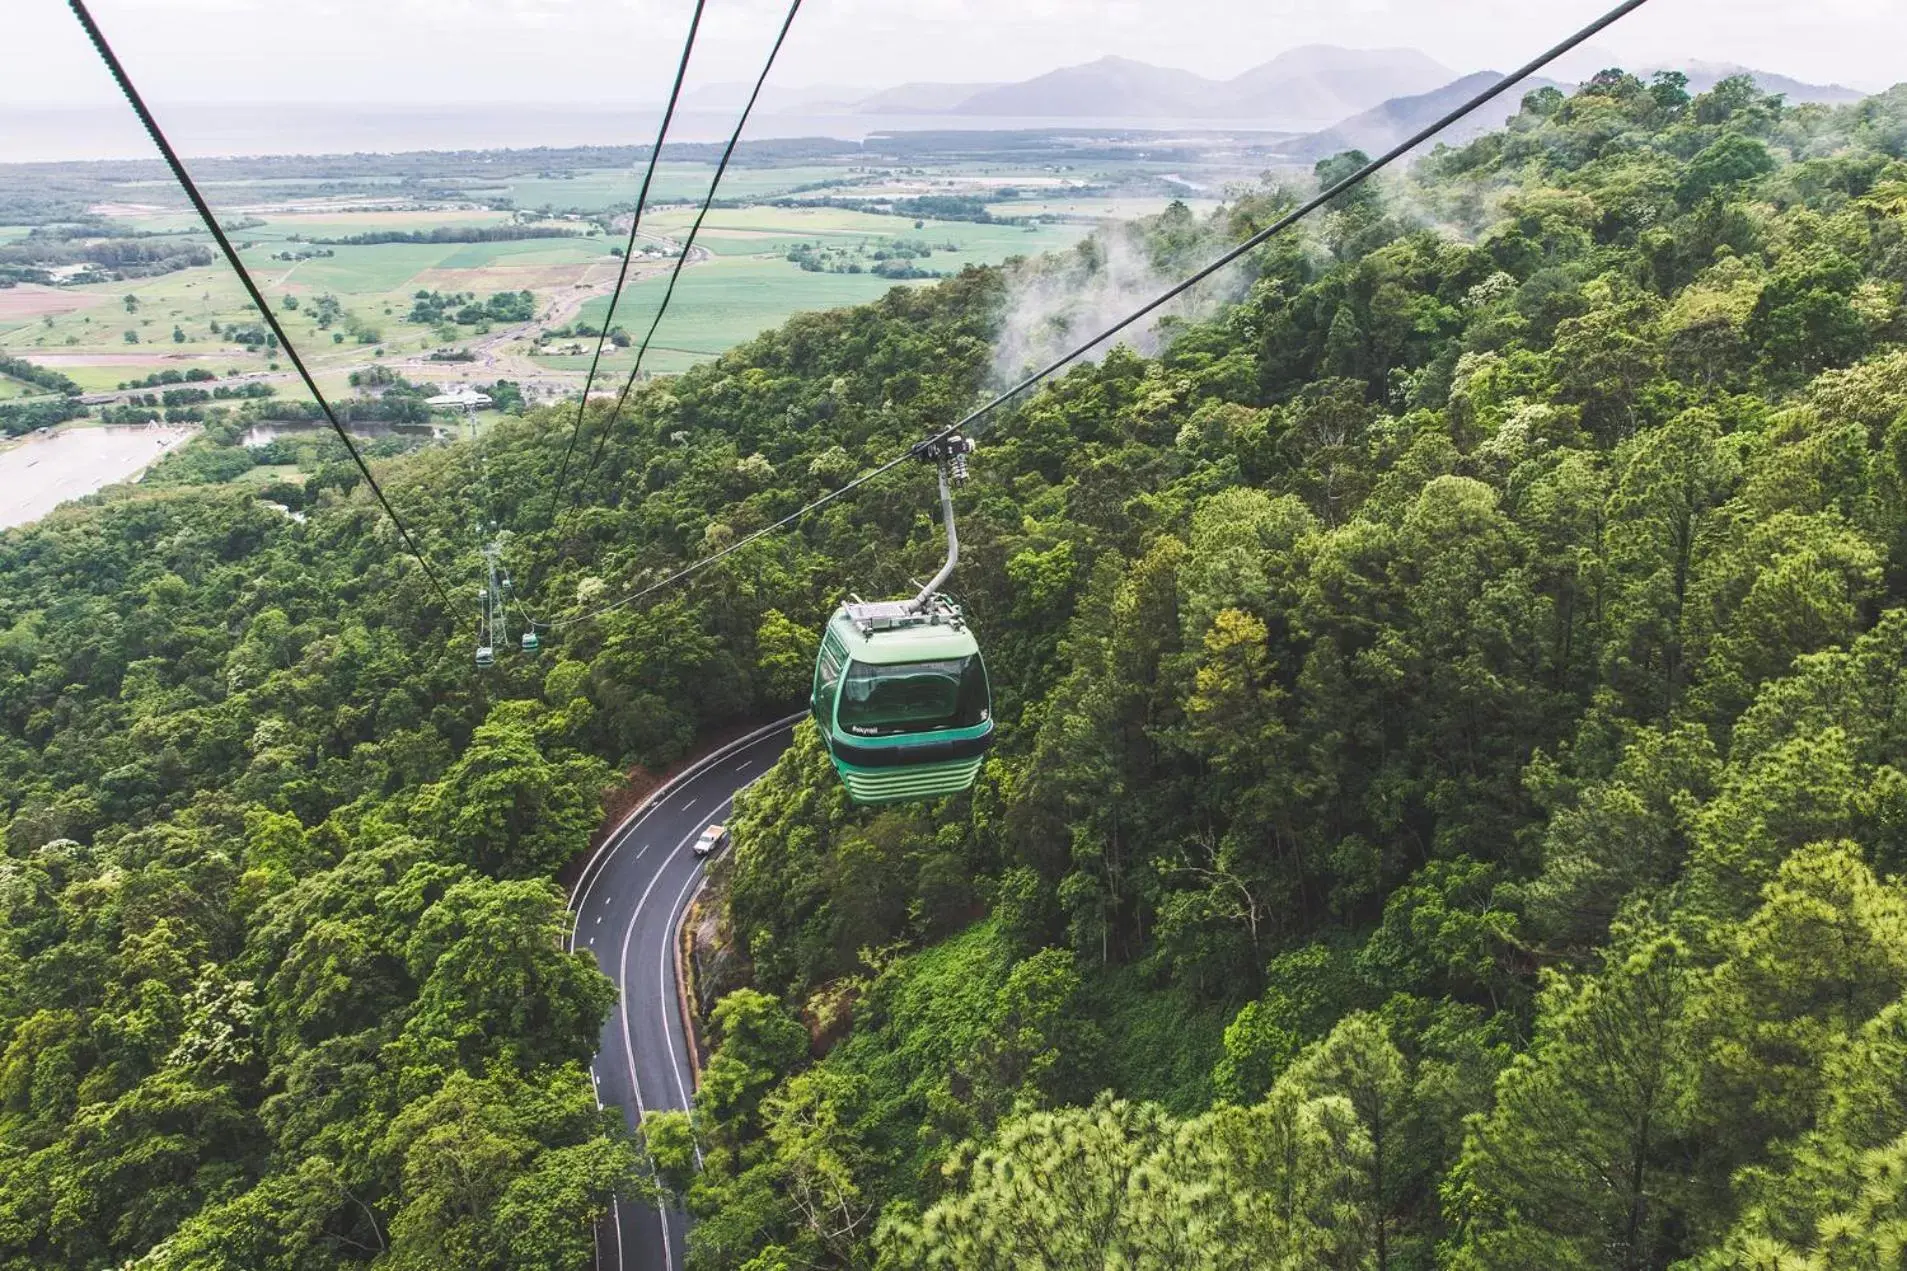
<point>200,130</point>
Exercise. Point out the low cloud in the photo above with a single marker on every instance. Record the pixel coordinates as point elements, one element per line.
<point>1054,305</point>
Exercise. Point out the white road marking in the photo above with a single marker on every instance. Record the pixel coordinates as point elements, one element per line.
<point>744,765</point>
<point>593,871</point>
<point>598,863</point>
<point>622,1012</point>
<point>688,805</point>
<point>629,1057</point>
<point>668,994</point>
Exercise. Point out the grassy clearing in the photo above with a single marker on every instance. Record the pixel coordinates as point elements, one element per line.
<point>332,223</point>
<point>266,473</point>
<point>776,230</point>
<point>728,300</point>
<point>797,221</point>
<point>394,270</point>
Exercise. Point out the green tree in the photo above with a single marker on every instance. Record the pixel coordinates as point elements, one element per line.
<point>756,1043</point>
<point>1573,1167</point>
<point>506,808</point>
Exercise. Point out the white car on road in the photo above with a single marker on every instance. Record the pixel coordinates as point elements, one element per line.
<point>714,839</point>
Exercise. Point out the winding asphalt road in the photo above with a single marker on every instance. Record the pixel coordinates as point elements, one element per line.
<point>629,903</point>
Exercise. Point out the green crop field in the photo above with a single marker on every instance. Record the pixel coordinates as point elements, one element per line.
<point>724,302</point>
<point>106,334</point>
<point>329,221</point>
<point>790,220</point>
<point>730,231</point>
<point>595,189</point>
<point>751,286</point>
<point>399,268</point>
<point>724,242</point>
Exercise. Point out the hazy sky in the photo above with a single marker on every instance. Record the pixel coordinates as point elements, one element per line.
<point>620,51</point>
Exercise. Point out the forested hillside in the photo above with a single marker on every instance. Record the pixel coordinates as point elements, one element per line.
<point>1448,810</point>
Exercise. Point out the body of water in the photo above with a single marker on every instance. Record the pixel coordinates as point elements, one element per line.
<point>198,130</point>
<point>43,472</point>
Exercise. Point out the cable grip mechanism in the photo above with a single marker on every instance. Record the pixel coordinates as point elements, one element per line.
<point>948,451</point>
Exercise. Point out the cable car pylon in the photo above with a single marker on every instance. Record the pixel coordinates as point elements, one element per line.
<point>495,617</point>
<point>495,596</point>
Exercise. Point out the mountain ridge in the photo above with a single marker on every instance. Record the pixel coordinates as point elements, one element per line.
<point>1301,88</point>
<point>1112,86</point>
<point>1320,87</point>
<point>1389,122</point>
<point>1384,125</point>
<point>1322,83</point>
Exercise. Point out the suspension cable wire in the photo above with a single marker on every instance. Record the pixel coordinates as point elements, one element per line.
<point>688,246</point>
<point>629,251</point>
<point>191,188</point>
<point>1284,223</point>
<point>697,567</point>
<point>1357,178</point>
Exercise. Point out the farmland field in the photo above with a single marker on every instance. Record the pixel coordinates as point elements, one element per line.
<point>785,240</point>
<point>1100,209</point>
<point>729,295</point>
<point>497,272</point>
<point>596,190</point>
<point>106,334</point>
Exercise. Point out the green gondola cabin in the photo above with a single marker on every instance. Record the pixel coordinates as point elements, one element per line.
<point>901,696</point>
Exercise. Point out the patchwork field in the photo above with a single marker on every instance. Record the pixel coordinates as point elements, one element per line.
<point>594,190</point>
<point>491,270</point>
<point>732,294</point>
<point>353,304</point>
<point>781,243</point>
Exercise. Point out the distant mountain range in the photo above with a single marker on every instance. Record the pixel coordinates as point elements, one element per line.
<point>1378,129</point>
<point>1112,87</point>
<point>1385,125</point>
<point>1703,76</point>
<point>1336,98</point>
<point>920,99</point>
<point>1303,88</point>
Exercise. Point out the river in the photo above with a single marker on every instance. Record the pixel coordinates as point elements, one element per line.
<point>42,472</point>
